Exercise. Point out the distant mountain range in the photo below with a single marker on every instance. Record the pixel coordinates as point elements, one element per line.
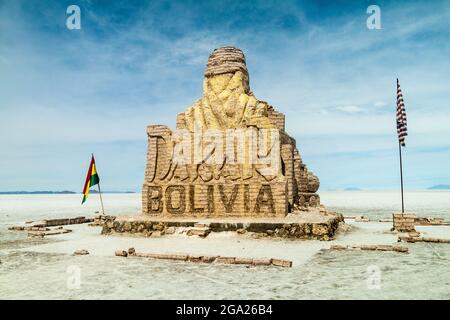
<point>440,187</point>
<point>346,189</point>
<point>37,192</point>
<point>96,191</point>
<point>435,187</point>
<point>59,192</point>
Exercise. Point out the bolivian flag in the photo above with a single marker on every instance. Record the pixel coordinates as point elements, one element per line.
<point>91,180</point>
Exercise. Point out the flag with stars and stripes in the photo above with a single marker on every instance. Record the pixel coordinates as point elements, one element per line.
<point>402,129</point>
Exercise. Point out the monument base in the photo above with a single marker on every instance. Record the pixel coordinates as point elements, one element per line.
<point>315,224</point>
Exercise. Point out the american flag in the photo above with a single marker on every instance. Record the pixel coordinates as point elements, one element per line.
<point>402,129</point>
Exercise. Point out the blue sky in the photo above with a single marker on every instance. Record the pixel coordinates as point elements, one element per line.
<point>67,93</point>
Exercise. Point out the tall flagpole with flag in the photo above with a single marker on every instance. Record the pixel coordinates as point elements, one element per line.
<point>92,179</point>
<point>402,132</point>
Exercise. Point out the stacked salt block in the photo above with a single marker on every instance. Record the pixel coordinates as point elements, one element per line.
<point>102,219</point>
<point>47,232</point>
<point>40,229</point>
<point>404,222</point>
<point>277,118</point>
<point>199,229</point>
<point>81,252</point>
<point>371,247</point>
<point>430,221</point>
<point>65,221</point>
<point>43,224</point>
<point>409,238</point>
<point>206,258</point>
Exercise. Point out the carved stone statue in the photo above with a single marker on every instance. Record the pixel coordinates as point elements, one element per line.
<point>230,154</point>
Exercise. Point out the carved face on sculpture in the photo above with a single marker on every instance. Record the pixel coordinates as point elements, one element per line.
<point>227,101</point>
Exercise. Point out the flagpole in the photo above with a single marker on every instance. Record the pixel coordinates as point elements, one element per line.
<point>401,175</point>
<point>101,200</point>
<point>402,133</point>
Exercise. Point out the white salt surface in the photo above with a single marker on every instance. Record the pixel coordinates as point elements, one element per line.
<point>40,268</point>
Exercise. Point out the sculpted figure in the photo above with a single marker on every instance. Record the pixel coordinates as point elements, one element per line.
<point>227,101</point>
<point>230,154</point>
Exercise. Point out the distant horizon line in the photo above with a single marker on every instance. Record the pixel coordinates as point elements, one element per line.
<point>433,187</point>
<point>346,189</point>
<point>59,192</point>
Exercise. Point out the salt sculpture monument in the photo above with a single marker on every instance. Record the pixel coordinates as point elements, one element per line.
<point>229,156</point>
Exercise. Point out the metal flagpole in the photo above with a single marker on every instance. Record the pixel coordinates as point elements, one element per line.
<point>402,132</point>
<point>401,175</point>
<point>101,200</point>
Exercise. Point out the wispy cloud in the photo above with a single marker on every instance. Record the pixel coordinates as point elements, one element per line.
<point>349,109</point>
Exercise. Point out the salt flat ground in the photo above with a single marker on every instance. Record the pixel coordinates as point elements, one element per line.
<point>33,268</point>
<point>223,243</point>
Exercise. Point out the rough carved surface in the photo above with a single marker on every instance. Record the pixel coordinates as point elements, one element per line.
<point>404,222</point>
<point>226,189</point>
<point>227,101</point>
<point>320,230</point>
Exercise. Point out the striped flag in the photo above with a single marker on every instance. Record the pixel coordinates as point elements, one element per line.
<point>91,180</point>
<point>402,129</point>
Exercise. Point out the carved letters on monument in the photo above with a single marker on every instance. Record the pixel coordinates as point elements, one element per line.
<point>229,155</point>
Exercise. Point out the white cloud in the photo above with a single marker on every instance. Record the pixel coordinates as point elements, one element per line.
<point>349,109</point>
<point>380,104</point>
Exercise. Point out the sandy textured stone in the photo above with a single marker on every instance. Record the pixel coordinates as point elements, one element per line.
<point>121,253</point>
<point>198,232</point>
<point>396,248</point>
<point>404,222</point>
<point>368,247</point>
<point>308,225</point>
<point>81,252</point>
<point>209,259</point>
<point>225,260</point>
<point>181,257</point>
<point>155,234</point>
<point>41,232</point>
<point>320,229</point>
<point>338,247</point>
<point>282,263</point>
<point>262,262</point>
<point>384,248</point>
<point>169,230</point>
<point>195,258</point>
<point>399,248</point>
<point>240,260</point>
